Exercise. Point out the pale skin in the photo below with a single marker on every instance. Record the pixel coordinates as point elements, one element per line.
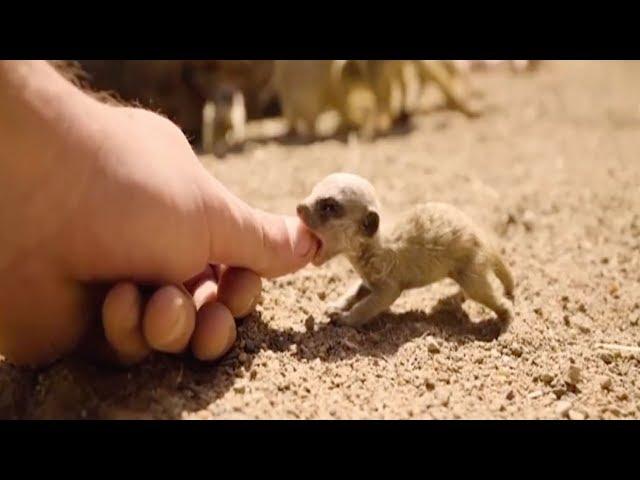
<point>97,201</point>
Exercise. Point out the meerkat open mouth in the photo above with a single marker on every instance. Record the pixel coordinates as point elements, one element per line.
<point>318,258</point>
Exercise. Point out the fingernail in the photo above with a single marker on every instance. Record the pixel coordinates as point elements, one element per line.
<point>177,329</point>
<point>205,292</point>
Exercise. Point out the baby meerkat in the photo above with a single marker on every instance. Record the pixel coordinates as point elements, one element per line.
<point>430,242</point>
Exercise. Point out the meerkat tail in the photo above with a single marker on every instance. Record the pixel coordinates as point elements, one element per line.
<point>504,275</point>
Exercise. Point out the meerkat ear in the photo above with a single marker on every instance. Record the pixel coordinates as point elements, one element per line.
<point>370,223</point>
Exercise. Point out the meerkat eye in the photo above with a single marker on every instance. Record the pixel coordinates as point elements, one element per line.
<point>329,207</point>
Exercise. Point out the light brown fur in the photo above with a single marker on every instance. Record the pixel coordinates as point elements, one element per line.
<point>389,76</point>
<point>308,88</point>
<point>430,242</point>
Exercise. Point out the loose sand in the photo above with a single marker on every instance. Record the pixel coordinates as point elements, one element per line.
<point>554,171</point>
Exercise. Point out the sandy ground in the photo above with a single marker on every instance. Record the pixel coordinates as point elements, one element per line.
<point>553,170</point>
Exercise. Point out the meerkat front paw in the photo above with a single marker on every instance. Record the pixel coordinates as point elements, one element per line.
<point>335,314</point>
<point>335,308</point>
<point>506,315</point>
<point>341,318</point>
<point>347,319</point>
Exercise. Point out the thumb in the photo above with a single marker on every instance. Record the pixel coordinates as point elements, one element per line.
<point>241,236</point>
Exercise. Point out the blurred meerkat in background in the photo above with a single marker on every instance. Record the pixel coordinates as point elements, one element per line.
<point>387,78</point>
<point>308,88</point>
<point>450,81</point>
<point>223,121</point>
<point>392,82</point>
<point>517,66</point>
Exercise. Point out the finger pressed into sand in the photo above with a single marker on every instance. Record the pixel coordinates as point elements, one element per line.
<point>169,320</point>
<point>215,332</point>
<point>206,274</point>
<point>122,322</point>
<point>205,292</point>
<point>239,290</point>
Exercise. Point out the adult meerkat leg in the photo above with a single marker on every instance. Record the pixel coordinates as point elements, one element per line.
<point>384,91</point>
<point>461,77</point>
<point>477,287</point>
<point>354,294</point>
<point>504,275</point>
<point>379,300</point>
<point>432,70</point>
<point>207,133</point>
<point>290,115</point>
<point>402,90</point>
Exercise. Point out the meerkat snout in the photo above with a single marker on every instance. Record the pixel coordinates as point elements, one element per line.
<point>304,213</point>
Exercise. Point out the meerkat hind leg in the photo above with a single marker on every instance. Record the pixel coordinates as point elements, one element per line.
<point>477,287</point>
<point>452,303</point>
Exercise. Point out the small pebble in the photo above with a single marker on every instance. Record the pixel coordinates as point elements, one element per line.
<point>574,375</point>
<point>536,394</point>
<point>563,407</point>
<point>251,346</point>
<point>605,382</point>
<point>559,392</point>
<point>528,220</point>
<point>309,323</point>
<point>614,411</point>
<point>582,323</point>
<point>443,397</point>
<point>201,415</point>
<point>432,346</point>
<point>546,378</point>
<point>575,415</point>
<point>606,357</point>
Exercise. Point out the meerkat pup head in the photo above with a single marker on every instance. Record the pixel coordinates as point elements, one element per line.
<point>342,211</point>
